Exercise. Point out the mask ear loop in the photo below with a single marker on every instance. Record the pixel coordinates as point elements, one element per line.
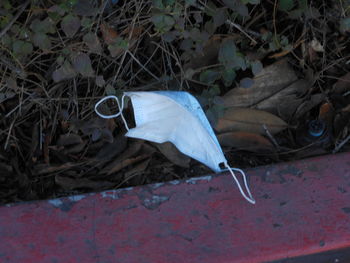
<point>120,113</point>
<point>250,199</point>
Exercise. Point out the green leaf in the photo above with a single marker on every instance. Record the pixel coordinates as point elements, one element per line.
<point>286,5</point>
<point>92,41</point>
<point>163,23</point>
<point>209,76</point>
<point>158,4</point>
<point>228,76</point>
<point>82,64</point>
<point>254,2</point>
<point>63,73</point>
<point>86,22</point>
<point>190,2</point>
<point>70,25</point>
<point>56,9</point>
<point>227,53</point>
<point>214,91</point>
<point>242,10</point>
<point>110,90</point>
<point>84,8</point>
<point>23,48</point>
<point>219,17</point>
<point>42,41</point>
<point>240,62</point>
<point>256,67</point>
<point>168,2</point>
<point>24,33</point>
<point>44,26</point>
<point>6,41</point>
<point>345,24</point>
<point>7,4</point>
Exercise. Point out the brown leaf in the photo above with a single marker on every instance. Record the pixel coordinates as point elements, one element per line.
<point>139,168</point>
<point>308,104</point>
<point>246,141</point>
<point>77,148</point>
<point>108,33</point>
<point>46,151</point>
<point>326,113</point>
<point>137,152</point>
<point>124,159</point>
<point>110,150</point>
<point>268,82</point>
<point>249,120</point>
<point>173,154</point>
<point>285,102</point>
<point>135,31</point>
<point>45,169</point>
<point>343,84</point>
<point>69,184</point>
<point>69,139</point>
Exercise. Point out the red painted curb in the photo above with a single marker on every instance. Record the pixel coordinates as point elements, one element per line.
<point>302,208</point>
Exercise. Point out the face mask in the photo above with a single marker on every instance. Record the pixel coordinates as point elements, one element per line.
<point>176,117</point>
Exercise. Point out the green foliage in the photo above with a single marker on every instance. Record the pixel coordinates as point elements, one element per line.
<point>345,25</point>
<point>22,48</point>
<point>162,22</point>
<point>286,5</point>
<point>70,25</point>
<point>212,104</point>
<point>209,76</point>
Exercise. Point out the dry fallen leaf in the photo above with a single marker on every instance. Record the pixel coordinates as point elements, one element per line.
<point>138,169</point>
<point>267,83</point>
<point>285,102</point>
<point>249,120</point>
<point>308,104</point>
<point>173,154</point>
<point>108,33</point>
<point>343,84</point>
<point>136,152</point>
<point>326,113</point>
<point>246,141</point>
<point>69,139</point>
<point>69,183</point>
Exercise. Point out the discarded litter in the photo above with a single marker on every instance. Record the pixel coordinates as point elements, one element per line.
<point>177,117</point>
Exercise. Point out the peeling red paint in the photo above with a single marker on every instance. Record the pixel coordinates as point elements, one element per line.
<point>302,208</point>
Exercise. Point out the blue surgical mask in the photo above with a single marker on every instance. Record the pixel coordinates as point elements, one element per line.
<point>176,117</point>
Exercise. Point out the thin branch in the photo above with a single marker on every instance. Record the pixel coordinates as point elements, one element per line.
<point>13,20</point>
<point>340,145</point>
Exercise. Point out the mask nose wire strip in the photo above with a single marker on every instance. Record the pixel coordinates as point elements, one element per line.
<point>120,113</point>
<point>250,199</point>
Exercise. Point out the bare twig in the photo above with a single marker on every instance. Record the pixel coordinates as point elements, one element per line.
<point>140,64</point>
<point>340,145</point>
<point>273,140</point>
<point>233,24</point>
<point>13,20</point>
<point>229,22</point>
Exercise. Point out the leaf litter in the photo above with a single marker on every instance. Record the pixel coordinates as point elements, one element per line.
<point>260,82</point>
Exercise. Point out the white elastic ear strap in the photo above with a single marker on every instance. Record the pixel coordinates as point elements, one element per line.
<point>120,113</point>
<point>250,199</point>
